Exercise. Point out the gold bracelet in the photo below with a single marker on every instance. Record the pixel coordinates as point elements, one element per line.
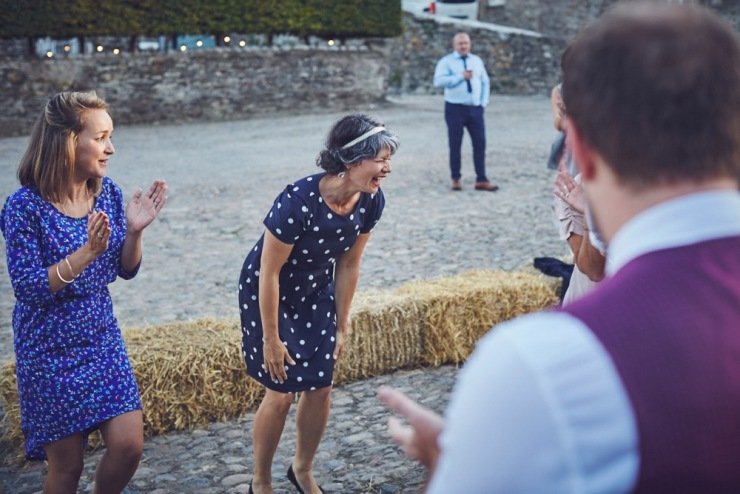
<point>69,265</point>
<point>60,275</point>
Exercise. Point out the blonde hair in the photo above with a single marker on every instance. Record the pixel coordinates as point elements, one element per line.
<point>49,161</point>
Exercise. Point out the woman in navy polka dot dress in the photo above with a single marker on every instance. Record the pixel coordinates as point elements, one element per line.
<point>67,237</point>
<point>297,284</point>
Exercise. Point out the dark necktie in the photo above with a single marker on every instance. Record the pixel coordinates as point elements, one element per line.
<point>467,81</point>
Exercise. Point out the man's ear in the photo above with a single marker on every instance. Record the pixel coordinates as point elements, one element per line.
<point>583,154</point>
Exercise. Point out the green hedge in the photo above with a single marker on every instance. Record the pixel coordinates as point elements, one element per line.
<point>325,18</point>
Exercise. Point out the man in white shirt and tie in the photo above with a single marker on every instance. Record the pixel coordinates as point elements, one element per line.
<point>467,87</point>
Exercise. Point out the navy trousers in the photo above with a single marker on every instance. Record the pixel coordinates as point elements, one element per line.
<point>459,117</point>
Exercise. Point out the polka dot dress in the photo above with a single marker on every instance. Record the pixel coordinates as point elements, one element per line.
<point>306,312</point>
<point>71,364</point>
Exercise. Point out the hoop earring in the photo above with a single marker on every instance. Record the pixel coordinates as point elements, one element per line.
<point>341,174</point>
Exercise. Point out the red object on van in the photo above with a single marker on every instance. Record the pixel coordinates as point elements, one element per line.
<point>432,9</point>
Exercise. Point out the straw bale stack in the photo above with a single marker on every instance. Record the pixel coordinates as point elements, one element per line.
<point>11,421</point>
<point>385,335</point>
<point>461,309</point>
<point>192,373</point>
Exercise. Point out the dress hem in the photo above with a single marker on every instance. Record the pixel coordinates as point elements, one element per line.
<point>33,453</point>
<point>280,388</point>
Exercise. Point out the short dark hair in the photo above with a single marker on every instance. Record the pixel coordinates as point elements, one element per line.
<point>655,89</point>
<point>334,158</point>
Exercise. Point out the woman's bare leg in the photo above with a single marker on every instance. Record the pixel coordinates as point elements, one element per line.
<point>65,461</point>
<point>311,419</point>
<point>266,431</point>
<point>124,444</point>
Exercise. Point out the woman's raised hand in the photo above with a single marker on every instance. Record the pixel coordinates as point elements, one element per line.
<point>143,208</point>
<point>98,232</point>
<point>570,191</point>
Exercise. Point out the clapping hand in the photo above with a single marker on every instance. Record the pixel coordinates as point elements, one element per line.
<point>143,208</point>
<point>570,191</point>
<point>98,232</point>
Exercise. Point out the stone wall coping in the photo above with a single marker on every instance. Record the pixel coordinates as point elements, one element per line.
<point>219,49</point>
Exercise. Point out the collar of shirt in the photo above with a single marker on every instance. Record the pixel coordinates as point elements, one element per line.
<point>677,222</point>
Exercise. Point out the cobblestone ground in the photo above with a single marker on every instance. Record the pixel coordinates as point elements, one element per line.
<point>223,178</point>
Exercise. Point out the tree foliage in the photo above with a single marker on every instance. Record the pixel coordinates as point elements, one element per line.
<point>325,18</point>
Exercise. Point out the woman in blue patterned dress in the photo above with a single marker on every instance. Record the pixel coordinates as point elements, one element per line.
<point>67,237</point>
<point>297,284</point>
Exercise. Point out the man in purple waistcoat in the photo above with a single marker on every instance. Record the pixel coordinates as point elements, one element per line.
<point>636,387</point>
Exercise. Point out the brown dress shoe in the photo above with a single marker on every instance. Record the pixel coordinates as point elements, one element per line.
<point>486,186</point>
<point>456,185</point>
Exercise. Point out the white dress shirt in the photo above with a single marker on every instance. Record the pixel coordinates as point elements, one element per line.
<point>539,406</point>
<point>448,74</point>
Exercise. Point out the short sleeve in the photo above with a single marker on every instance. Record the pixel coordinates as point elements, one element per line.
<point>289,216</point>
<point>569,221</point>
<point>373,212</point>
<point>21,227</point>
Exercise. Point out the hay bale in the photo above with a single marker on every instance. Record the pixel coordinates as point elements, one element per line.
<point>385,334</point>
<point>192,373</point>
<point>461,309</point>
<point>11,421</point>
<point>189,374</point>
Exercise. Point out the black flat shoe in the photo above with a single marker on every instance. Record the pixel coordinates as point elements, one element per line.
<point>294,481</point>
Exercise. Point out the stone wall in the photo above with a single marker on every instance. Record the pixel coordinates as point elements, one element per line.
<point>214,84</point>
<point>232,83</point>
<point>517,61</point>
<point>228,83</point>
<point>560,20</point>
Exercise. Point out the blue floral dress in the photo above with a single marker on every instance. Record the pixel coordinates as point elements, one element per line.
<point>306,312</point>
<point>71,363</point>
